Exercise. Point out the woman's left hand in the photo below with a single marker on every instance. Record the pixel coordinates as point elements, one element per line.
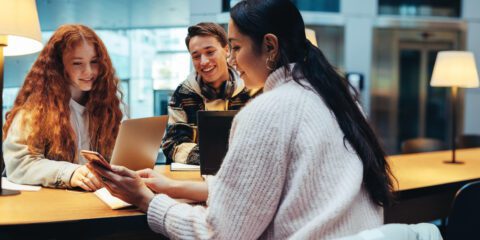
<point>125,184</point>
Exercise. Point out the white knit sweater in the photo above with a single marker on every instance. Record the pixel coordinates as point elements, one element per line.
<point>287,174</point>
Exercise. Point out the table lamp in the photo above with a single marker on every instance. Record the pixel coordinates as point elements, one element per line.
<point>454,69</point>
<point>19,35</point>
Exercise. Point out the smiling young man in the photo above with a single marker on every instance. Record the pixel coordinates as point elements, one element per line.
<point>213,86</point>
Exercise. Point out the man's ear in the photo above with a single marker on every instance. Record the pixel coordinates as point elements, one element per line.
<point>270,44</point>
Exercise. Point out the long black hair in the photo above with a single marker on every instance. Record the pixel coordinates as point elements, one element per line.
<point>255,18</point>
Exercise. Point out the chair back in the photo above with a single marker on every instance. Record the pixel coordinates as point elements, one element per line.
<point>417,145</point>
<point>463,221</point>
<point>468,141</point>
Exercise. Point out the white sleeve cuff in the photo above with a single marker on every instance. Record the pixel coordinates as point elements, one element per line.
<point>65,174</point>
<point>157,212</point>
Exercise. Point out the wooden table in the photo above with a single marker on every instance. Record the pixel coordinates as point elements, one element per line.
<point>427,185</point>
<point>425,192</point>
<point>56,213</point>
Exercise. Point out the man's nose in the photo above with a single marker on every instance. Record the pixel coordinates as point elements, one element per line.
<point>203,59</point>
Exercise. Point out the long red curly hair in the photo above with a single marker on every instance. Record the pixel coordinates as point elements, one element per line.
<point>44,99</point>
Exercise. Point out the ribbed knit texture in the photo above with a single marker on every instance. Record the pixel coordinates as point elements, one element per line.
<point>287,174</point>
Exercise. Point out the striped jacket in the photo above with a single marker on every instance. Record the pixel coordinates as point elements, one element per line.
<point>180,141</point>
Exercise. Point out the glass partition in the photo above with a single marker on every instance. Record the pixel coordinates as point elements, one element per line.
<point>145,60</point>
<point>303,5</point>
<point>424,8</point>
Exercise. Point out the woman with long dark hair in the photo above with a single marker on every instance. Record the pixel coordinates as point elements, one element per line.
<point>308,67</point>
<point>302,163</point>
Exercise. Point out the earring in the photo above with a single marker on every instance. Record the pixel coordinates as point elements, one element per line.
<point>270,63</point>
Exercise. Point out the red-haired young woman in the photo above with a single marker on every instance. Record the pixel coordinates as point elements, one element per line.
<point>68,102</point>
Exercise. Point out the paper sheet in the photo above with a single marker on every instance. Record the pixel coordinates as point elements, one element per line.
<point>183,167</point>
<point>116,203</point>
<point>112,201</point>
<point>13,186</point>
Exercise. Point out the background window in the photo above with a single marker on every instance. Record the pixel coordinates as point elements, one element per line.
<point>438,8</point>
<point>303,5</point>
<point>145,60</point>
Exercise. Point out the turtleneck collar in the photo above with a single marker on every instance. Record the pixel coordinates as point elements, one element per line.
<point>278,77</point>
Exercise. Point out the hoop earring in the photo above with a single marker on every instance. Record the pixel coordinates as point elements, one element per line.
<point>270,63</point>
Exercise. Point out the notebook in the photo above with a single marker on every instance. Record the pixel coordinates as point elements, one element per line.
<point>213,133</point>
<point>110,200</point>
<point>117,203</point>
<point>13,186</point>
<point>174,166</point>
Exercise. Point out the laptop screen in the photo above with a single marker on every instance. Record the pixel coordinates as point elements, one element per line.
<point>213,133</point>
<point>138,141</point>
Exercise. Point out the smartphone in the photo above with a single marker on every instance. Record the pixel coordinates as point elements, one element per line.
<point>96,157</point>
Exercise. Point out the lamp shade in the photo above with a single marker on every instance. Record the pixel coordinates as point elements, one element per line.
<point>311,36</point>
<point>19,27</point>
<point>455,69</point>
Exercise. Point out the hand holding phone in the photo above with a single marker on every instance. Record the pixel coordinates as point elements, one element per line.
<point>96,157</point>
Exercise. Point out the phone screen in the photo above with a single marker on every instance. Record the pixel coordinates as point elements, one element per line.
<point>96,157</point>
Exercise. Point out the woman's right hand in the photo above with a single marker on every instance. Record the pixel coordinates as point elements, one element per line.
<point>83,178</point>
<point>157,182</point>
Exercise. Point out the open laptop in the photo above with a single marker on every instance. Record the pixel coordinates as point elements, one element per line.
<point>213,134</point>
<point>138,142</point>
